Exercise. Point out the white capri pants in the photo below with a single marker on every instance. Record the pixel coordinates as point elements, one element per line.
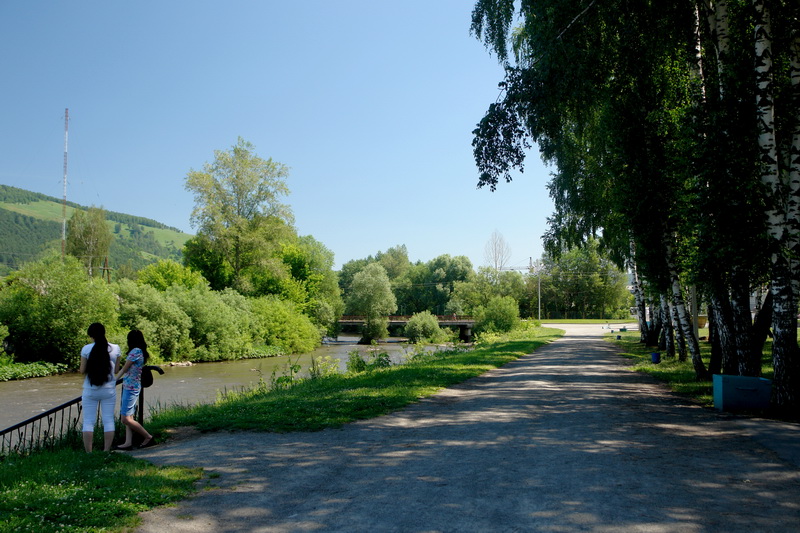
<point>106,398</point>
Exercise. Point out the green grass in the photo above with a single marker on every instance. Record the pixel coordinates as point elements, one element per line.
<point>71,490</point>
<point>333,400</point>
<point>678,375</point>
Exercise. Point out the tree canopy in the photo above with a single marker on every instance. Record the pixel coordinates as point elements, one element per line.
<point>668,125</point>
<point>238,213</point>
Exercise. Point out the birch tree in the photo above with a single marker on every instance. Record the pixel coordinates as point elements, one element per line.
<point>663,134</point>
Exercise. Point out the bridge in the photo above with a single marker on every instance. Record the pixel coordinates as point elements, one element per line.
<point>464,323</point>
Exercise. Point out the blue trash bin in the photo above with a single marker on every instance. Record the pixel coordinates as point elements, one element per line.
<point>655,357</point>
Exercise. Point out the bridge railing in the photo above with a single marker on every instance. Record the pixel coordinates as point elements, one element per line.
<point>42,431</point>
<point>405,318</point>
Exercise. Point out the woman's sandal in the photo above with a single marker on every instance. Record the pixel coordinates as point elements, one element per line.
<point>149,442</point>
<point>124,448</point>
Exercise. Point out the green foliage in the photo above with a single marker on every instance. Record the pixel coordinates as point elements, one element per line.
<point>167,272</point>
<point>89,238</point>
<point>164,324</point>
<point>476,292</point>
<point>378,359</point>
<point>423,326</point>
<point>355,363</point>
<point>288,378</point>
<point>371,296</point>
<point>218,331</point>
<point>583,283</point>
<point>323,367</point>
<point>280,323</point>
<point>237,208</point>
<point>429,286</point>
<point>13,371</point>
<point>71,490</point>
<point>310,267</point>
<point>199,255</point>
<point>47,306</point>
<point>24,238</point>
<point>500,315</point>
<point>373,329</point>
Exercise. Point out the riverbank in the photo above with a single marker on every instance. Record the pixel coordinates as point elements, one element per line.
<point>179,385</point>
<point>326,402</point>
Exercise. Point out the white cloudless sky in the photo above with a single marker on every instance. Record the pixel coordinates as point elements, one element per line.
<point>371,104</point>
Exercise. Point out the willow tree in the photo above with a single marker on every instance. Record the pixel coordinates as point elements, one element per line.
<point>239,216</point>
<point>370,295</point>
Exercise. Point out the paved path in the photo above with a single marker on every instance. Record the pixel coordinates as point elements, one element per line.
<point>565,439</point>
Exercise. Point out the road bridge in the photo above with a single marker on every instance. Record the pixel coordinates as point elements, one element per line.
<point>464,323</point>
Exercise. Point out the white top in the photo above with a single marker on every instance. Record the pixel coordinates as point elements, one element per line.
<point>113,351</point>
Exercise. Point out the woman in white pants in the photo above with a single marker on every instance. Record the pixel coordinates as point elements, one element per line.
<point>100,363</point>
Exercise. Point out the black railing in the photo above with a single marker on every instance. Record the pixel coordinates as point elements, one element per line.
<point>41,431</point>
<point>51,427</point>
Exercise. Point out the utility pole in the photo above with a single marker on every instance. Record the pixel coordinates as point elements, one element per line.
<point>64,205</point>
<point>538,273</point>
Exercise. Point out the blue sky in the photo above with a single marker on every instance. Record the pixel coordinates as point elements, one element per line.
<point>371,105</point>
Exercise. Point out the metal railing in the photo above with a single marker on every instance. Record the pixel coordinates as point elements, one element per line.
<point>41,431</point>
<point>51,427</point>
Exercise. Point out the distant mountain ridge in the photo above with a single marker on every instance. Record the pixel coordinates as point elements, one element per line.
<point>31,222</point>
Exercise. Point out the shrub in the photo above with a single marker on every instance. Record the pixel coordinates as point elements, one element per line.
<point>378,359</point>
<point>355,363</point>
<point>280,323</point>
<point>500,315</point>
<point>167,272</point>
<point>165,325</point>
<point>423,327</point>
<point>30,370</point>
<point>323,366</point>
<point>218,330</point>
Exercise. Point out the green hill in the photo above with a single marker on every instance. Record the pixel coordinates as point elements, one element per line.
<point>30,224</point>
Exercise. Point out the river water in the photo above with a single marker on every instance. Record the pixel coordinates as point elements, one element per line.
<point>185,385</point>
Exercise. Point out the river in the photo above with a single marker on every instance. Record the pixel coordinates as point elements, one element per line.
<point>185,385</point>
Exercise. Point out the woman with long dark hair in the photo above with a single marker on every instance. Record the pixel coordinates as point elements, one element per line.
<point>99,362</point>
<point>131,387</point>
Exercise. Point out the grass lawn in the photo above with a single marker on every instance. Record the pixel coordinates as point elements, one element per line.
<point>70,490</point>
<point>678,375</point>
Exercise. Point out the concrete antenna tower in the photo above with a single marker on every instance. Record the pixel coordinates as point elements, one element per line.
<point>64,205</point>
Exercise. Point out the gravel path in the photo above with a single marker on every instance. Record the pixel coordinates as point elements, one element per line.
<point>565,439</point>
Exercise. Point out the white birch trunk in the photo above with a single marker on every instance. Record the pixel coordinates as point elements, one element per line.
<point>793,166</point>
<point>638,296</point>
<point>684,319</point>
<point>784,320</point>
<point>669,332</point>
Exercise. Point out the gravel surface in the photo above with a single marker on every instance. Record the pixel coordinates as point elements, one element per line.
<point>564,439</point>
